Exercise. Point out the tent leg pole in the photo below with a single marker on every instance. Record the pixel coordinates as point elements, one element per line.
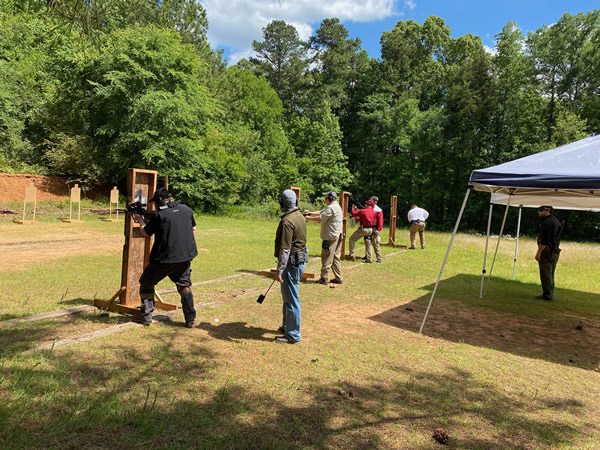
<point>517,242</point>
<point>487,239</point>
<point>497,245</point>
<point>445,259</point>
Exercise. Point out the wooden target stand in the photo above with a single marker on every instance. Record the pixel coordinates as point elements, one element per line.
<point>74,198</point>
<point>393,218</point>
<point>30,197</point>
<point>114,199</point>
<point>136,250</point>
<point>272,273</point>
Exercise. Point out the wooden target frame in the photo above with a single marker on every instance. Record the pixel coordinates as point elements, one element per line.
<point>136,250</point>
<point>30,197</point>
<point>74,197</point>
<point>113,200</point>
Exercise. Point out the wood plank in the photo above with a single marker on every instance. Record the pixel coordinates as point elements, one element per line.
<point>51,314</point>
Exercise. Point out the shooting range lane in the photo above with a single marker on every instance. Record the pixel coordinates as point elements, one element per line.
<point>125,323</point>
<point>19,249</point>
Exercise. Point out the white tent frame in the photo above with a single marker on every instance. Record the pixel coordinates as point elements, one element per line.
<point>503,195</point>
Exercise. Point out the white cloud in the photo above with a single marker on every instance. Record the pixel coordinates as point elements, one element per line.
<point>236,23</point>
<point>491,50</point>
<point>410,4</point>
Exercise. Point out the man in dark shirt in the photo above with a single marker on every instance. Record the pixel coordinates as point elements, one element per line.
<point>292,256</point>
<point>548,250</point>
<point>173,227</point>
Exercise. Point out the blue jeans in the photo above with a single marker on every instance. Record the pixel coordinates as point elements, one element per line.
<point>291,300</point>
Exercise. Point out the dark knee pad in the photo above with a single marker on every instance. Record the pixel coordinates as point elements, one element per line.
<point>184,290</point>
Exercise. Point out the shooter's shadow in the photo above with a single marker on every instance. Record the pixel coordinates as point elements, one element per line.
<point>235,331</point>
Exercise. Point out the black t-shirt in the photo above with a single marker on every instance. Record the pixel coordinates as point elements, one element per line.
<point>549,232</point>
<point>173,235</point>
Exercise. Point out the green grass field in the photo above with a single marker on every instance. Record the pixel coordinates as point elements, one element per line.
<point>506,371</point>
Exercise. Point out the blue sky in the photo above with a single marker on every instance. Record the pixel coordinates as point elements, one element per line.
<point>233,24</point>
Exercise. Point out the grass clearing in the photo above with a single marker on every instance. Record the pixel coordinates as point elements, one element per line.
<point>500,372</point>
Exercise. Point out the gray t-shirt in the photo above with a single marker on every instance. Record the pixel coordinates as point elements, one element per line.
<point>331,221</point>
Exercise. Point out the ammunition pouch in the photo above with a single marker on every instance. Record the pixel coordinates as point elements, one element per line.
<point>299,257</point>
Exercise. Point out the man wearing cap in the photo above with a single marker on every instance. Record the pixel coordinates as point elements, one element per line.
<point>331,219</point>
<point>417,217</point>
<point>173,227</point>
<point>548,250</point>
<point>292,256</point>
<point>376,239</point>
<point>368,223</point>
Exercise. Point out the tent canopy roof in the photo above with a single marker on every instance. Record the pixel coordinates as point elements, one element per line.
<point>565,177</point>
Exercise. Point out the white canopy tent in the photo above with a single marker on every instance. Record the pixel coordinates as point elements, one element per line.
<point>567,177</point>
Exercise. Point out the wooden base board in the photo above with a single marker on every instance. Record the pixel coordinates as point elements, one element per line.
<point>70,221</point>
<point>350,258</point>
<point>394,245</point>
<point>105,304</point>
<point>25,222</point>
<point>111,220</point>
<point>273,273</point>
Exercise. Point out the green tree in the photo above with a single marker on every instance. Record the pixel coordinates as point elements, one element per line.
<point>281,58</point>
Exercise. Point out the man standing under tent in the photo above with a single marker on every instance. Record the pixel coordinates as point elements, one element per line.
<point>331,219</point>
<point>376,239</point>
<point>548,250</point>
<point>417,217</point>
<point>292,256</point>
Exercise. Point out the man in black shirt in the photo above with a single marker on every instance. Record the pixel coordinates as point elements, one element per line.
<point>173,227</point>
<point>548,250</point>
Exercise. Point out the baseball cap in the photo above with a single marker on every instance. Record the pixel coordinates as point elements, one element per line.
<point>545,208</point>
<point>330,195</point>
<point>374,198</point>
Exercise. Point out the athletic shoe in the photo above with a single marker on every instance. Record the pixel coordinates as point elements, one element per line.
<point>322,281</point>
<point>336,281</point>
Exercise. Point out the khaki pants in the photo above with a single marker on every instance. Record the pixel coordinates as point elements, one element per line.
<point>331,259</point>
<point>414,228</point>
<point>376,247</point>
<point>360,233</point>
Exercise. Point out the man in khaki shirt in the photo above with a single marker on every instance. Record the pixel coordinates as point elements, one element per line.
<point>331,219</point>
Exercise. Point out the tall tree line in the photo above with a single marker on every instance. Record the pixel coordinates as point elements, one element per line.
<point>89,88</point>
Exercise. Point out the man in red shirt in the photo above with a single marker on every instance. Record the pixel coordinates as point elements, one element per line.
<point>368,223</point>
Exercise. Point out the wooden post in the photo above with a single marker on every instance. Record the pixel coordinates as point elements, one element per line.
<point>393,212</point>
<point>136,250</point>
<point>344,205</point>
<point>393,218</point>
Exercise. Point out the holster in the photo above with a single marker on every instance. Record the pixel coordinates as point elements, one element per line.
<point>299,257</point>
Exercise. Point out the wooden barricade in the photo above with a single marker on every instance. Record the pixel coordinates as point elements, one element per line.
<point>113,200</point>
<point>136,250</point>
<point>393,218</point>
<point>30,197</point>
<point>344,205</point>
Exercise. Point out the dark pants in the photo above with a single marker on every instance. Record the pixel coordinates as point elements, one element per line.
<point>547,263</point>
<point>178,273</point>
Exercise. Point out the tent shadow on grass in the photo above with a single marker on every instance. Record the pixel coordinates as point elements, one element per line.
<point>88,404</point>
<point>509,319</point>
